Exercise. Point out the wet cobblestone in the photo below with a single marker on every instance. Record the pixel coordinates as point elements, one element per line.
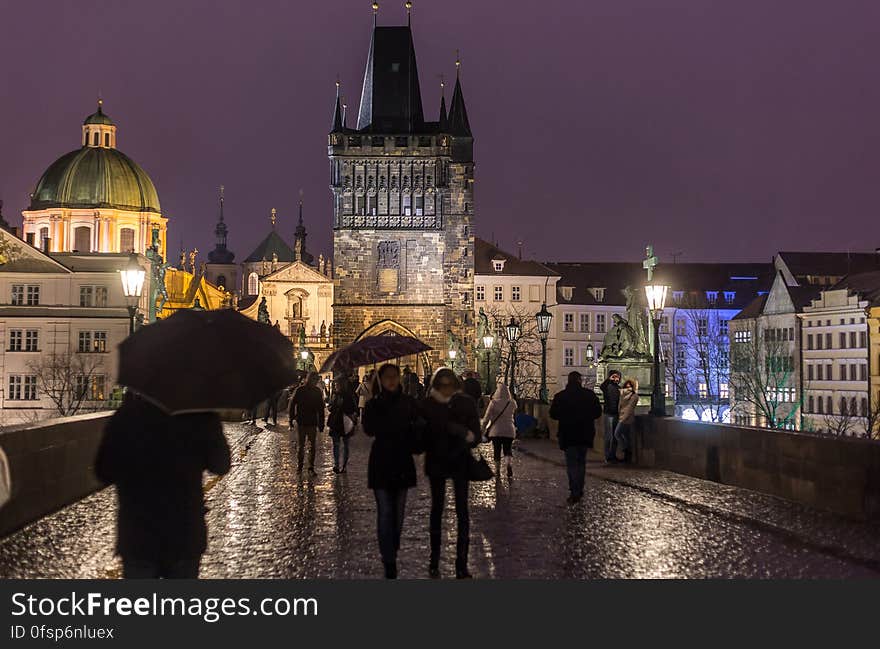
<point>268,521</point>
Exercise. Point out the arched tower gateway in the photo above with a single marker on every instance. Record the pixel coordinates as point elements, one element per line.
<point>403,207</point>
<point>95,198</point>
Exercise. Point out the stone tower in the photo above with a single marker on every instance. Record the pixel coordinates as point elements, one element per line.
<point>403,208</point>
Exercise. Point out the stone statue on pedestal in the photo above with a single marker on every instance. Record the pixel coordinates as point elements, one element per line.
<point>263,311</point>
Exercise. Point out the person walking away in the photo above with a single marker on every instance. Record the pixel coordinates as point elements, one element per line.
<point>473,389</point>
<point>364,391</point>
<point>156,461</point>
<point>576,409</point>
<point>341,422</point>
<point>452,429</point>
<point>499,425</point>
<point>390,418</point>
<point>272,408</point>
<point>610,388</point>
<point>307,410</point>
<point>629,399</point>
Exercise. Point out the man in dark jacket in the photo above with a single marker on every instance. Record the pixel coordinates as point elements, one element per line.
<point>611,396</point>
<point>156,462</point>
<point>307,410</point>
<point>576,409</point>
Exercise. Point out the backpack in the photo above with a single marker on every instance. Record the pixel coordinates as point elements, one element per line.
<point>5,480</point>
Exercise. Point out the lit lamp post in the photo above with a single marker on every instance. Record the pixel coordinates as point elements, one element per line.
<point>132,277</point>
<point>304,355</point>
<point>656,294</point>
<point>488,343</point>
<point>512,332</point>
<point>543,318</point>
<point>453,353</point>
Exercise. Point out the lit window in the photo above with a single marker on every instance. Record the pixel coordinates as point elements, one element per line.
<point>568,322</point>
<point>515,293</point>
<point>729,296</point>
<point>480,293</point>
<point>498,293</point>
<point>253,284</point>
<point>498,265</point>
<point>568,356</point>
<point>711,297</point>
<point>598,294</point>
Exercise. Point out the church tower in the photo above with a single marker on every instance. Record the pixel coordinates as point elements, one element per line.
<point>403,207</point>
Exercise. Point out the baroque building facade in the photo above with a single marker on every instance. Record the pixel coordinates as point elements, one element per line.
<point>403,208</point>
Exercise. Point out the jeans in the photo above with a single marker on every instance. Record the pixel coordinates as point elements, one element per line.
<point>610,443</point>
<point>623,434</point>
<point>390,509</point>
<point>438,500</point>
<point>312,433</point>
<point>499,443</point>
<point>340,445</point>
<point>160,568</point>
<point>576,465</point>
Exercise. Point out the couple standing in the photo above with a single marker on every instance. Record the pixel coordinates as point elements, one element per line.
<point>619,411</point>
<point>445,426</point>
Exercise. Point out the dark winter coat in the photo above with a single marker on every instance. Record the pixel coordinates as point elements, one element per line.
<point>576,409</point>
<point>391,419</point>
<point>473,389</point>
<point>342,404</point>
<point>156,462</point>
<point>446,427</point>
<point>610,397</point>
<point>307,406</point>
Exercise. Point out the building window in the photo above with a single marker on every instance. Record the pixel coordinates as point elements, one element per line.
<point>820,405</point>
<point>516,293</point>
<point>712,297</point>
<point>85,342</point>
<point>567,292</point>
<point>498,293</point>
<point>96,139</point>
<point>818,342</point>
<point>480,293</point>
<point>863,339</point>
<point>820,373</point>
<point>82,239</point>
<point>702,327</point>
<point>852,339</point>
<point>22,388</point>
<point>93,296</point>
<point>809,372</point>
<point>126,240</point>
<point>584,322</point>
<point>729,296</point>
<point>864,407</point>
<point>16,336</point>
<point>863,372</point>
<point>677,296</point>
<point>809,341</point>
<point>724,327</point>
<point>99,342</point>
<point>681,356</point>
<point>842,340</point>
<point>568,356</point>
<point>680,327</point>
<point>32,340</point>
<point>106,139</point>
<point>498,265</point>
<point>742,336</point>
<point>32,295</point>
<point>568,322</point>
<point>600,323</point>
<point>723,391</point>
<point>703,390</point>
<point>253,284</point>
<point>828,344</point>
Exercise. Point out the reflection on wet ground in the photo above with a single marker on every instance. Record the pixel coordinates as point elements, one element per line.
<point>268,521</point>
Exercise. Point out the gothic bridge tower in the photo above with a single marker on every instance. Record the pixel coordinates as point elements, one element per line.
<point>403,207</point>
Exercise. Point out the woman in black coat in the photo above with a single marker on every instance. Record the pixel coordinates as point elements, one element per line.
<point>452,429</point>
<point>390,418</point>
<point>343,404</point>
<point>156,462</point>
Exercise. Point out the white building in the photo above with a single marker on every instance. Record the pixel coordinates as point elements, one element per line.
<point>62,316</point>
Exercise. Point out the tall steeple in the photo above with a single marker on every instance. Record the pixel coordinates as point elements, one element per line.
<point>458,119</point>
<point>391,100</point>
<point>221,254</point>
<point>299,237</point>
<point>444,120</point>
<point>338,125</point>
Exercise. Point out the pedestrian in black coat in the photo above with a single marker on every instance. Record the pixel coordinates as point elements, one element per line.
<point>576,409</point>
<point>452,429</point>
<point>473,389</point>
<point>610,388</point>
<point>390,418</point>
<point>343,405</point>
<point>156,462</point>
<point>307,410</point>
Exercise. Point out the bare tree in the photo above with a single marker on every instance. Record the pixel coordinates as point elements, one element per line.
<point>701,371</point>
<point>761,378</point>
<point>72,381</point>
<point>525,369</point>
<point>842,425</point>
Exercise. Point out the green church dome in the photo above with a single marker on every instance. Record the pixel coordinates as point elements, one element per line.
<point>96,177</point>
<point>98,117</point>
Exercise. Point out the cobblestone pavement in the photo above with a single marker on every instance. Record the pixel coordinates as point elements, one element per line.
<point>268,521</point>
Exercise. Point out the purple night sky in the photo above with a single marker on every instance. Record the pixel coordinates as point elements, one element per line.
<point>719,129</point>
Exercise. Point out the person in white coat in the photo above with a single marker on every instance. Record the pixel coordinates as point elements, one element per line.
<point>498,424</point>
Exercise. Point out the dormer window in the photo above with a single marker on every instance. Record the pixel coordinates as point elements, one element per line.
<point>598,294</point>
<point>729,296</point>
<point>498,265</point>
<point>566,293</point>
<point>677,296</point>
<point>711,297</point>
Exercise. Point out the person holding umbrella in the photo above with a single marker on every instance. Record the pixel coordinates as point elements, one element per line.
<point>156,461</point>
<point>341,420</point>
<point>390,418</point>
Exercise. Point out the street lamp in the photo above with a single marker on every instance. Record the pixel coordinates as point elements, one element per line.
<point>132,277</point>
<point>488,343</point>
<point>304,355</point>
<point>453,353</point>
<point>656,294</point>
<point>543,318</point>
<point>512,332</point>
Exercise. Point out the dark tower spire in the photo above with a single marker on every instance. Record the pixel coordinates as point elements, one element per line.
<point>221,254</point>
<point>338,121</point>
<point>299,237</point>
<point>458,119</point>
<point>408,6</point>
<point>444,120</point>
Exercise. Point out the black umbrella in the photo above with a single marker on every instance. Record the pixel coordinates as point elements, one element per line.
<point>373,349</point>
<point>206,360</point>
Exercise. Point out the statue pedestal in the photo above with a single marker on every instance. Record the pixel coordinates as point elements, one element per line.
<point>630,368</point>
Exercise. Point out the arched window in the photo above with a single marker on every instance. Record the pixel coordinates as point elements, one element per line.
<point>842,405</point>
<point>82,239</point>
<point>106,139</point>
<point>44,234</point>
<point>96,139</point>
<point>864,407</point>
<point>852,407</point>
<point>253,284</point>
<point>126,240</point>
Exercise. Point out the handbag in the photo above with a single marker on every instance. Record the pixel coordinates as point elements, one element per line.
<point>478,470</point>
<point>347,425</point>
<point>492,423</point>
